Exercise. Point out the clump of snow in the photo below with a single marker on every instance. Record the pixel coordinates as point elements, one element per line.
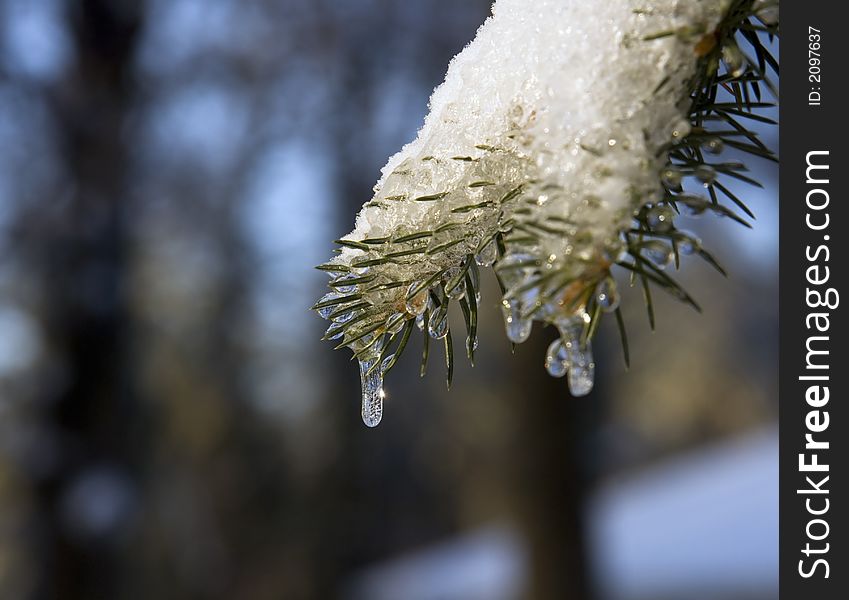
<point>552,120</point>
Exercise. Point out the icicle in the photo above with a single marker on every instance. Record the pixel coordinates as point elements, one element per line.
<point>580,358</point>
<point>557,359</point>
<point>518,329</point>
<point>582,373</point>
<point>373,394</point>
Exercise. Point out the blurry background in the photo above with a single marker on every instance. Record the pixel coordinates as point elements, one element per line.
<point>170,425</point>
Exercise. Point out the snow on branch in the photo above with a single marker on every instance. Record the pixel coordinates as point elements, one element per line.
<point>554,150</point>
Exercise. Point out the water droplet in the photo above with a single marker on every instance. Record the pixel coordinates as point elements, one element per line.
<point>672,177</point>
<point>486,257</point>
<point>437,325</point>
<point>706,174</point>
<point>658,253</point>
<point>518,329</point>
<point>373,394</point>
<point>713,146</point>
<point>417,304</point>
<point>420,322</point>
<point>660,218</point>
<point>607,295</point>
<point>474,343</point>
<point>386,362</point>
<point>557,359</point>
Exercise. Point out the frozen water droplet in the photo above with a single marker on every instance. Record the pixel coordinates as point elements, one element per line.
<point>511,269</point>
<point>344,316</point>
<point>373,395</point>
<point>474,343</point>
<point>325,311</point>
<point>486,257</point>
<point>672,177</point>
<point>437,326</point>
<point>660,218</point>
<point>607,295</point>
<point>615,252</point>
<point>345,289</point>
<point>658,253</point>
<point>579,359</point>
<point>518,329</point>
<point>395,323</point>
<point>694,205</point>
<point>767,11</point>
<point>417,304</point>
<point>581,378</point>
<point>456,292</point>
<point>420,322</point>
<point>453,284</point>
<point>680,129</point>
<point>734,59</point>
<point>713,146</point>
<point>557,359</point>
<point>706,174</point>
<point>334,332</point>
<point>689,244</point>
<point>386,362</point>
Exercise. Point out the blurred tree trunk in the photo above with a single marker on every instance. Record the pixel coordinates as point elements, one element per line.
<point>83,255</point>
<point>552,480</point>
